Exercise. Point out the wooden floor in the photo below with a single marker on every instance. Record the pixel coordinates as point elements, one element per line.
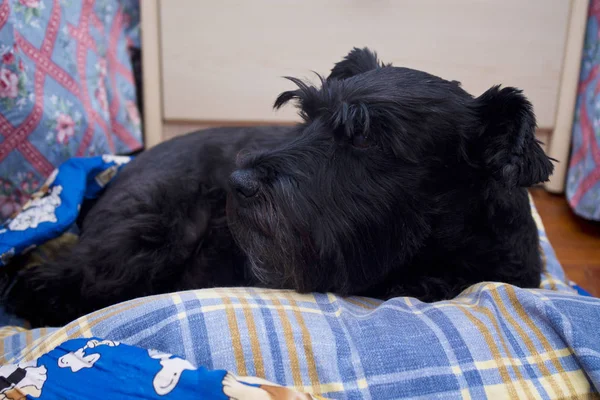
<point>575,240</point>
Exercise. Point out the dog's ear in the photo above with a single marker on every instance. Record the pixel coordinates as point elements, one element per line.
<point>507,143</point>
<point>307,96</point>
<point>356,62</point>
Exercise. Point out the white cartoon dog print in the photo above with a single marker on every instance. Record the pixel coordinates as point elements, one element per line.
<point>21,380</point>
<point>168,377</point>
<point>119,160</point>
<point>78,360</point>
<point>38,210</point>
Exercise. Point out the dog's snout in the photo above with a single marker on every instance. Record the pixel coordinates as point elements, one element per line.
<point>244,183</point>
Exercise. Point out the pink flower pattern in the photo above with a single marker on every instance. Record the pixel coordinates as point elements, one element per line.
<point>133,113</point>
<point>100,92</point>
<point>65,128</point>
<point>8,84</point>
<point>14,194</point>
<point>9,205</point>
<point>30,3</point>
<point>8,58</point>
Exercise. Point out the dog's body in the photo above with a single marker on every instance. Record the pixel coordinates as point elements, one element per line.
<point>397,183</point>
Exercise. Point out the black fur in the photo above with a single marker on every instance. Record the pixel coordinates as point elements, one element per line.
<point>396,183</point>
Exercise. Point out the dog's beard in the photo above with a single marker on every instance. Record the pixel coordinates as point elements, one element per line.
<point>294,241</point>
<point>279,251</point>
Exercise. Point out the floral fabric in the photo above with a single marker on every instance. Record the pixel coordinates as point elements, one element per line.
<point>66,88</point>
<point>583,181</point>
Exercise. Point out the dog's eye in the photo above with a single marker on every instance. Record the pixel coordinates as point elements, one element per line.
<point>361,140</point>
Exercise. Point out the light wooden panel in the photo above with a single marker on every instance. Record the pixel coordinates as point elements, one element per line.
<point>151,73</point>
<point>223,60</point>
<point>560,141</point>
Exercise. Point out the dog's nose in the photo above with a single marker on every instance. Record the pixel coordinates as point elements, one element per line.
<point>244,183</point>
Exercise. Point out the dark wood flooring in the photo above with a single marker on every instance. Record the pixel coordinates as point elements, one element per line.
<point>575,240</point>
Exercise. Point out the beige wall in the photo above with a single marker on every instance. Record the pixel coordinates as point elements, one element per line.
<point>221,62</point>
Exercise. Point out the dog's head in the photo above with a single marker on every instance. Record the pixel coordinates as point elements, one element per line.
<point>382,153</point>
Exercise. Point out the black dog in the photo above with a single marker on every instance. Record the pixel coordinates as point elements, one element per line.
<point>397,183</point>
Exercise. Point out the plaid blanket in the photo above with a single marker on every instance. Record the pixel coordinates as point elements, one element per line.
<point>493,341</point>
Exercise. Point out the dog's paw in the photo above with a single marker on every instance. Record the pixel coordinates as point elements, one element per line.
<point>236,390</point>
